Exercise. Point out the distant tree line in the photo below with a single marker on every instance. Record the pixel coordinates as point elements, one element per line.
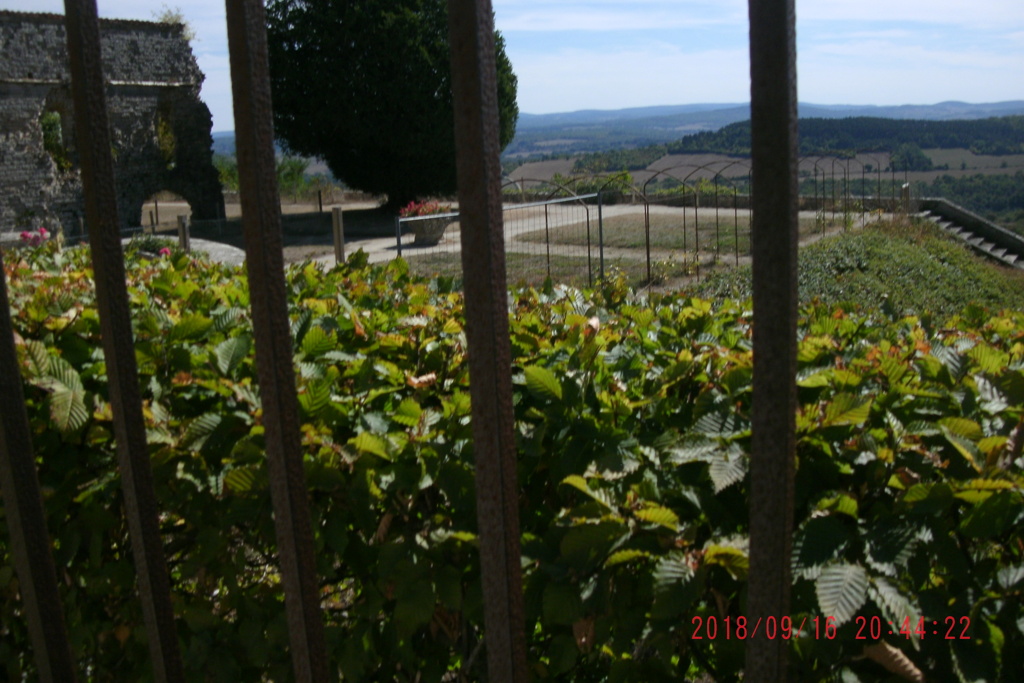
<point>846,137</point>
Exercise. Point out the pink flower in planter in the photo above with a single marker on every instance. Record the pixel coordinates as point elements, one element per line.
<point>44,233</point>
<point>166,251</point>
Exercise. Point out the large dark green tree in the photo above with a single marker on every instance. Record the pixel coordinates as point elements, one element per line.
<point>366,86</point>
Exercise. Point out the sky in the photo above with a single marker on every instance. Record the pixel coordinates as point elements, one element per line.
<point>613,54</point>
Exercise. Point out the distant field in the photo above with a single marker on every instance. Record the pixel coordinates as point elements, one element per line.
<point>695,166</point>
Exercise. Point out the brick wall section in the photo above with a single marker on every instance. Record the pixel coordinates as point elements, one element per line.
<point>151,75</point>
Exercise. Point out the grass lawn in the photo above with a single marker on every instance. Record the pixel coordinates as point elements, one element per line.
<point>909,268</point>
<point>533,269</point>
<point>670,232</point>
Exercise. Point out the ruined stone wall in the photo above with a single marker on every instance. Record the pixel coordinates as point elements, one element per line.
<point>160,129</point>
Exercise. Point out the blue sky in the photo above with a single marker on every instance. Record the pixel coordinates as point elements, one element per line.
<point>612,54</point>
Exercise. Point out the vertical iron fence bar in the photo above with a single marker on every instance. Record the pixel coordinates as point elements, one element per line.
<point>600,233</point>
<point>775,234</point>
<point>26,517</point>
<point>647,237</point>
<point>736,222</point>
<point>547,237</point>
<point>475,94</point>
<point>718,237</point>
<point>398,235</point>
<point>590,265</point>
<point>94,147</point>
<point>261,224</point>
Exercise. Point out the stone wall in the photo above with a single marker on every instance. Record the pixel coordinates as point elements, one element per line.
<point>160,129</point>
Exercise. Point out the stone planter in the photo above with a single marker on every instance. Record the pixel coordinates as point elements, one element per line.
<point>428,231</point>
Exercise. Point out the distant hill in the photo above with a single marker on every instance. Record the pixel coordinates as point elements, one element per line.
<point>600,130</point>
<point>595,131</point>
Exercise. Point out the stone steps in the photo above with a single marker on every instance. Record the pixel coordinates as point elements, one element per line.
<point>976,242</point>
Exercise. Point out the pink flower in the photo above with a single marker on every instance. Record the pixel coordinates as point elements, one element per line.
<point>44,233</point>
<point>25,236</point>
<point>166,251</point>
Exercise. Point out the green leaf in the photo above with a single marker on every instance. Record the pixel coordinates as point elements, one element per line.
<point>658,515</point>
<point>562,604</point>
<point>733,560</point>
<point>542,383</point>
<point>580,484</point>
<point>968,429</point>
<point>367,442</point>
<point>844,504</point>
<point>247,479</point>
<point>191,328</point>
<point>317,341</point>
<point>314,397</point>
<point>820,541</point>
<point>842,591</point>
<point>728,467</point>
<point>226,319</point>
<point>625,556</point>
<point>231,352</point>
<point>199,430</point>
<point>964,447</point>
<point>67,397</point>
<point>846,409</point>
<point>414,605</point>
<point>992,516</point>
<point>894,606</point>
<point>38,357</point>
<point>408,413</point>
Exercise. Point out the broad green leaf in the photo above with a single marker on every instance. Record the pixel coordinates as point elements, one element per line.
<point>965,448</point>
<point>199,430</point>
<point>408,413</point>
<point>968,429</point>
<point>247,479</point>
<point>733,560</point>
<point>542,382</point>
<point>317,341</point>
<point>625,556</point>
<point>561,604</point>
<point>728,467</point>
<point>843,503</point>
<point>67,397</point>
<point>231,352</point>
<point>314,397</point>
<point>894,605</point>
<point>821,540</point>
<point>191,328</point>
<point>580,484</point>
<point>992,516</point>
<point>989,360</point>
<point>367,442</point>
<point>847,409</point>
<point>658,515</point>
<point>842,590</point>
<point>226,319</point>
<point>38,357</point>
<point>890,544</point>
<point>414,605</point>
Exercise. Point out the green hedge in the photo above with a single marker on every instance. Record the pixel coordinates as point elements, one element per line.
<point>633,425</point>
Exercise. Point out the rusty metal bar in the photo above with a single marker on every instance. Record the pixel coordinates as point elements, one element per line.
<point>94,148</point>
<point>26,518</point>
<point>264,253</point>
<point>471,32</point>
<point>774,197</point>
